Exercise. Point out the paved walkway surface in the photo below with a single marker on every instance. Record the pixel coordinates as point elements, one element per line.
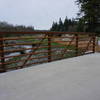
<point>71,79</point>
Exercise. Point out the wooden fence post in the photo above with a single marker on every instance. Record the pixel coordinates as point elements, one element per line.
<point>2,60</point>
<point>94,43</point>
<point>77,41</point>
<point>49,48</point>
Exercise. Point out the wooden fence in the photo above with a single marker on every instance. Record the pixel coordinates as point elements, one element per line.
<point>22,49</point>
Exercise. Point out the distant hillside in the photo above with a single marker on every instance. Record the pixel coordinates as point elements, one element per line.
<point>4,26</point>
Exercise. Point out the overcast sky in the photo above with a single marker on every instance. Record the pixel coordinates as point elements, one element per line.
<point>38,13</point>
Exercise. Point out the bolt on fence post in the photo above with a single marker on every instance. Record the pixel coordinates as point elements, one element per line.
<point>49,48</point>
<point>94,43</point>
<point>76,44</point>
<point>2,60</point>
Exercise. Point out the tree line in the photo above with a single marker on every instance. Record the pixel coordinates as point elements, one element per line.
<point>88,19</point>
<point>4,26</point>
<point>69,25</point>
<point>90,14</point>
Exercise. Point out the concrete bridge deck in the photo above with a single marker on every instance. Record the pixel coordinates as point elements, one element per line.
<point>71,79</point>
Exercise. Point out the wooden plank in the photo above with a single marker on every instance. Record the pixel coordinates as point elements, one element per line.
<point>49,48</point>
<point>3,67</point>
<point>46,32</point>
<point>77,43</point>
<point>94,43</point>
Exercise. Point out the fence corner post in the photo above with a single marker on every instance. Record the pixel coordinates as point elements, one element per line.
<point>49,47</point>
<point>94,43</point>
<point>76,44</point>
<point>2,59</point>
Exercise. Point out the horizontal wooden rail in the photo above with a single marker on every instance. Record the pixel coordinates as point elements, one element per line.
<point>36,43</point>
<point>45,32</point>
<point>19,44</point>
<point>21,55</point>
<point>23,38</point>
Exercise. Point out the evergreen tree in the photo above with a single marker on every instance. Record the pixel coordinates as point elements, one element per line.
<point>54,27</point>
<point>60,26</point>
<point>81,25</point>
<point>66,25</point>
<point>90,9</point>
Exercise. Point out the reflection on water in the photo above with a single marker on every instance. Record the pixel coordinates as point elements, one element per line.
<point>27,48</point>
<point>18,53</point>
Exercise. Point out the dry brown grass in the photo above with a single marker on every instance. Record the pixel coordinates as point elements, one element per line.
<point>97,48</point>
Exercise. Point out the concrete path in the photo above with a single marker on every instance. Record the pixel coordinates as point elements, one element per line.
<point>71,79</point>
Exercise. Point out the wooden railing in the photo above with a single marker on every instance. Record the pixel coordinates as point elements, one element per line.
<point>22,49</point>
